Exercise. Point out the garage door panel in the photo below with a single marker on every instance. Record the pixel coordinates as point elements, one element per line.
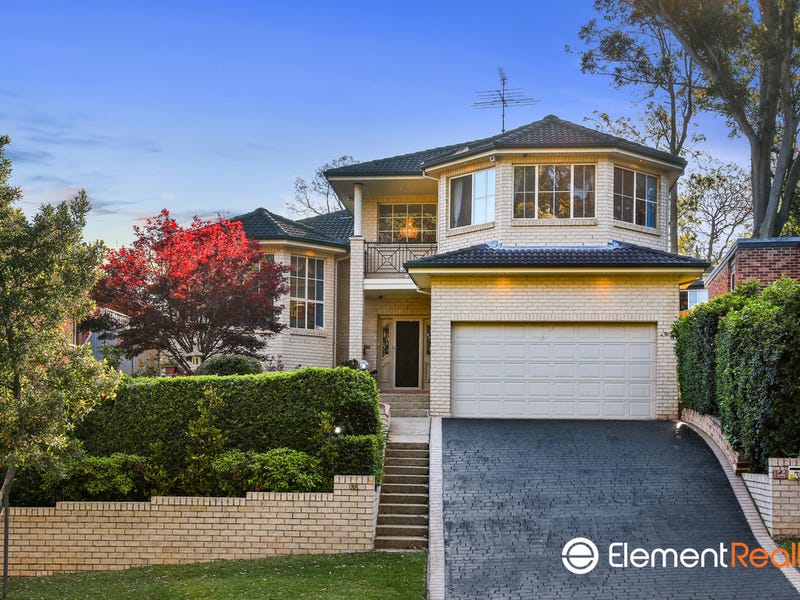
<point>530,370</point>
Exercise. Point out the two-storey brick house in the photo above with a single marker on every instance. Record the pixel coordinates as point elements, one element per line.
<point>525,275</point>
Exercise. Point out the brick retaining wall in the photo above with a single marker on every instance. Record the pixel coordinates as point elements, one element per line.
<point>778,500</point>
<point>104,536</point>
<point>711,427</point>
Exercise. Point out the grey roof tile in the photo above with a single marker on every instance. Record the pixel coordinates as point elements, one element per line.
<point>261,224</point>
<point>615,254</point>
<point>549,132</point>
<point>337,224</point>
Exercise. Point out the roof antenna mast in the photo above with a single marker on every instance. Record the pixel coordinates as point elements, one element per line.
<point>503,97</point>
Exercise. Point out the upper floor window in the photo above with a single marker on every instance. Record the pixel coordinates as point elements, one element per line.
<point>307,281</point>
<point>472,199</point>
<point>407,223</point>
<point>554,191</point>
<point>635,197</point>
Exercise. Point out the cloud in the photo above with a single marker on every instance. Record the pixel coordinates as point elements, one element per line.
<point>34,156</point>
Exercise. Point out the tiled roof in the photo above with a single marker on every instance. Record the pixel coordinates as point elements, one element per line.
<point>337,224</point>
<point>615,254</point>
<point>262,224</point>
<point>550,132</point>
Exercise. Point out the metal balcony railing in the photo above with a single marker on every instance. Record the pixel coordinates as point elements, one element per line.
<point>389,258</point>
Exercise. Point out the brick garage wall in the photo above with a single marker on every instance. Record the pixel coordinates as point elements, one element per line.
<point>104,536</point>
<point>721,283</point>
<point>554,298</point>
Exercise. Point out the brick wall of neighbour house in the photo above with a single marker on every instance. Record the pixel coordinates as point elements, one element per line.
<point>720,284</point>
<point>342,310</point>
<point>305,347</point>
<point>778,500</point>
<point>411,305</point>
<point>554,298</point>
<point>766,264</point>
<point>554,232</point>
<point>92,536</point>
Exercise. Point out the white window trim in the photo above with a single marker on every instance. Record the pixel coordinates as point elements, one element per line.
<point>306,301</point>
<point>622,223</point>
<point>490,214</point>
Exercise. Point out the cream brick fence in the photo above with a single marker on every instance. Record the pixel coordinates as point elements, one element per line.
<point>104,536</point>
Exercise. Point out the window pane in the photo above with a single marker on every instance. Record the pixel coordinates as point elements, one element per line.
<point>460,201</point>
<point>428,237</point>
<point>546,205</point>
<point>300,264</point>
<point>563,199</point>
<point>627,209</point>
<point>429,210</point>
<point>618,207</point>
<point>563,176</point>
<point>651,214</point>
<point>652,188</point>
<point>618,180</point>
<point>546,178</point>
<point>519,179</point>
<point>311,288</point>
<point>385,210</point>
<point>319,322</point>
<point>641,185</point>
<point>627,183</point>
<point>415,210</point>
<point>310,315</point>
<point>640,210</point>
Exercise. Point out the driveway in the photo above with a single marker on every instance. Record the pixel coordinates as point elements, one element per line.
<point>515,492</point>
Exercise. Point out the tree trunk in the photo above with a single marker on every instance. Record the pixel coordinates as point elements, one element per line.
<point>5,494</point>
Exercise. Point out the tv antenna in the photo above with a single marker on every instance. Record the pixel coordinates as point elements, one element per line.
<point>503,97</point>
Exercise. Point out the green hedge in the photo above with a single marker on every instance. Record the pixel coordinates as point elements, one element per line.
<point>279,470</point>
<point>758,375</point>
<point>258,412</point>
<point>230,364</point>
<point>695,335</point>
<point>359,455</point>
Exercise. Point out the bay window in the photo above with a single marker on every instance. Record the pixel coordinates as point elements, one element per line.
<point>307,281</point>
<point>554,191</point>
<point>635,197</point>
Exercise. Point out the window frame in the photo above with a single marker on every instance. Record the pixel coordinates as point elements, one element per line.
<point>302,301</point>
<point>382,231</point>
<point>535,192</point>
<point>635,198</point>
<point>487,197</point>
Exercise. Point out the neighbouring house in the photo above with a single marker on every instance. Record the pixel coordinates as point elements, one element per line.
<point>524,275</point>
<point>764,259</point>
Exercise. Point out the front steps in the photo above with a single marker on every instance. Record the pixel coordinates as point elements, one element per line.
<point>407,405</point>
<point>403,508</point>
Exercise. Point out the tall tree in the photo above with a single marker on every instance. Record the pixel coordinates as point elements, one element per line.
<point>317,197</point>
<point>46,385</point>
<point>204,288</point>
<point>749,54</point>
<point>635,49</point>
<point>714,210</point>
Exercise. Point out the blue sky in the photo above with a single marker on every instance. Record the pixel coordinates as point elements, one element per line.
<point>208,107</point>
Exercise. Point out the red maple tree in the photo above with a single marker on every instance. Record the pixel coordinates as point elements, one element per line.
<point>202,289</point>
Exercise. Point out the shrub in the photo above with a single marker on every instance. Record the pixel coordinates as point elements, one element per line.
<point>279,470</point>
<point>694,336</point>
<point>257,412</point>
<point>758,375</point>
<point>205,443</point>
<point>229,364</point>
<point>359,455</point>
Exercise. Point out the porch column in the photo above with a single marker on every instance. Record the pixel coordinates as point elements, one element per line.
<point>356,339</point>
<point>357,209</point>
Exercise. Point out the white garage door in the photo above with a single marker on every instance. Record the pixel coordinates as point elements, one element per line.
<point>559,371</point>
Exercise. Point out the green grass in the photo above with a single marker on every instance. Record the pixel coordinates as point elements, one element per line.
<point>364,576</point>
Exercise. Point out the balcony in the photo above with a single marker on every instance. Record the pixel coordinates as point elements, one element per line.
<point>388,259</point>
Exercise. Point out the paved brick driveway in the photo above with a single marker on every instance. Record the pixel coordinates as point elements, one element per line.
<point>516,491</point>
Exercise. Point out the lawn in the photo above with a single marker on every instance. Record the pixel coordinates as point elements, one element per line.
<point>364,576</point>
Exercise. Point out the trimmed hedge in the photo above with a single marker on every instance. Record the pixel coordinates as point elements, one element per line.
<point>258,413</point>
<point>230,364</point>
<point>359,455</point>
<point>279,470</point>
<point>758,375</point>
<point>694,336</point>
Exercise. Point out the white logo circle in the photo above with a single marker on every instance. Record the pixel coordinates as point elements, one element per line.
<point>580,556</point>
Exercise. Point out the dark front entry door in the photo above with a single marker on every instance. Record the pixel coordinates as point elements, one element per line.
<point>406,370</point>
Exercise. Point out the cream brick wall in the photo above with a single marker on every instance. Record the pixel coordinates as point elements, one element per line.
<point>105,536</point>
<point>342,310</point>
<point>356,324</point>
<point>553,232</point>
<point>760,488</point>
<point>554,298</point>
<point>778,500</point>
<point>305,347</point>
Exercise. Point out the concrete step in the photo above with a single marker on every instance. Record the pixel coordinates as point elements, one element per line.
<point>403,520</point>
<point>401,543</point>
<point>420,531</point>
<point>408,445</point>
<point>404,478</point>
<point>392,452</point>
<point>410,412</point>
<point>405,470</point>
<point>395,461</point>
<point>404,488</point>
<point>404,498</point>
<point>402,508</point>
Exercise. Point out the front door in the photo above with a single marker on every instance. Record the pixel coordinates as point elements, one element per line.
<point>406,362</point>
